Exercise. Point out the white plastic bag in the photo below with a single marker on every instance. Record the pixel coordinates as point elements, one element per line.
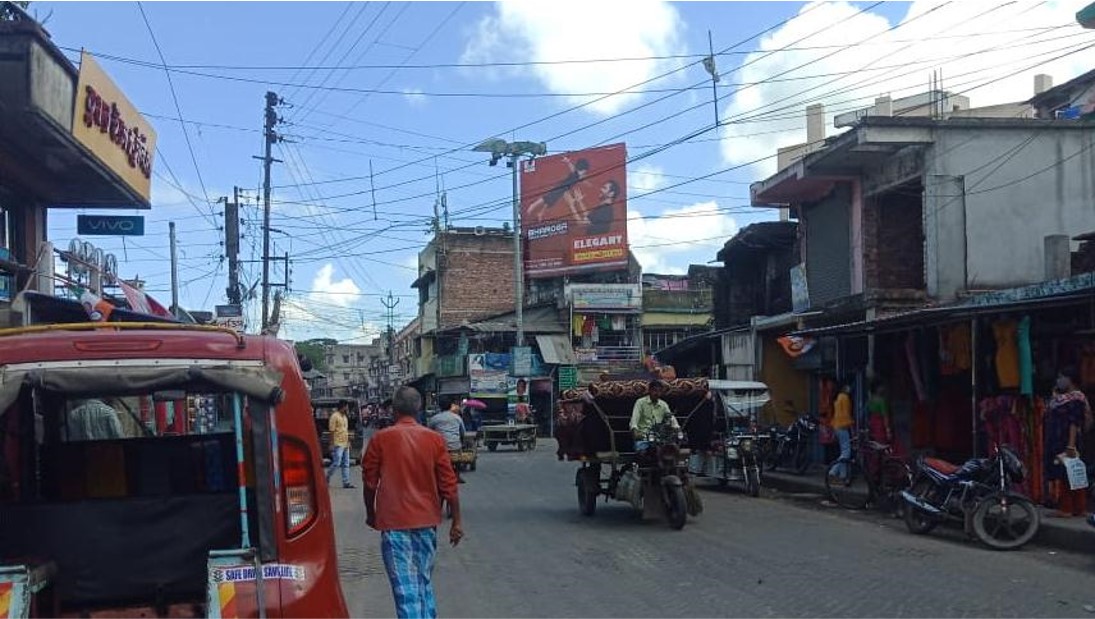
<point>1077,473</point>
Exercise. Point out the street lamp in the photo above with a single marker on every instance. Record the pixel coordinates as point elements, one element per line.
<point>499,148</point>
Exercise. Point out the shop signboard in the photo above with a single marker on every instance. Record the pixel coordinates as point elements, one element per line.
<point>800,292</point>
<point>109,126</point>
<point>488,375</point>
<point>110,225</point>
<point>605,297</point>
<point>574,212</point>
<point>230,316</point>
<point>568,377</point>
<point>522,361</point>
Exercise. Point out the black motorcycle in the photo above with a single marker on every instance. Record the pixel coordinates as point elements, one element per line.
<point>790,448</point>
<point>978,494</point>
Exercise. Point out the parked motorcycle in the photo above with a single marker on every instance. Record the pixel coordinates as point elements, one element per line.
<point>790,448</point>
<point>978,494</point>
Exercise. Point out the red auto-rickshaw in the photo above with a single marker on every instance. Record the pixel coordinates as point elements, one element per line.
<point>160,470</point>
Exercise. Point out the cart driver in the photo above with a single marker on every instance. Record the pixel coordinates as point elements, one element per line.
<point>450,425</point>
<point>649,411</point>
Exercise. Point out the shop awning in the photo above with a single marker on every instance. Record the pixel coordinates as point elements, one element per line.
<point>556,350</point>
<point>1058,292</point>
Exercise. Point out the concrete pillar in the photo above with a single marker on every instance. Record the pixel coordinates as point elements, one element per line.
<point>815,123</point>
<point>883,106</point>
<point>1058,257</point>
<point>1042,83</point>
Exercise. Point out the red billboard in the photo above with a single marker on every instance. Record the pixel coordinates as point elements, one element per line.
<point>574,212</point>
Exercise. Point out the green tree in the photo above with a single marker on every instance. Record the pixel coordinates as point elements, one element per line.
<point>313,349</point>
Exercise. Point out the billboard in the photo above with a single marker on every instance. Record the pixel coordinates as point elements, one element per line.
<point>574,212</point>
<point>112,129</point>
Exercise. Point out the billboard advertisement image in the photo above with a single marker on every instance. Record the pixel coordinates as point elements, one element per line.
<point>574,212</point>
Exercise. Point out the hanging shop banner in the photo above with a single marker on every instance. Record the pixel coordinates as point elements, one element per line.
<point>574,212</point>
<point>796,346</point>
<point>522,361</point>
<point>110,127</point>
<point>568,377</point>
<point>488,375</point>
<point>605,297</point>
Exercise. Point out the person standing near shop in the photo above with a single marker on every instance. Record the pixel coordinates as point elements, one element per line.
<point>1064,427</point>
<point>843,423</point>
<point>407,474</point>
<point>339,427</point>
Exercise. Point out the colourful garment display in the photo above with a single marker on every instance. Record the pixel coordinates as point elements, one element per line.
<point>1007,353</point>
<point>955,355</point>
<point>1026,358</point>
<point>914,368</point>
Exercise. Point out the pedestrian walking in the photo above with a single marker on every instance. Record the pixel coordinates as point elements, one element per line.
<point>339,427</point>
<point>407,474</point>
<point>843,422</point>
<point>1064,427</point>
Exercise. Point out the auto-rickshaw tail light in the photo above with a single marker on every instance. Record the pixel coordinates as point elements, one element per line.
<point>299,483</point>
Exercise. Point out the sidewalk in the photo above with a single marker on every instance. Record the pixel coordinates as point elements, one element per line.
<point>1072,534</point>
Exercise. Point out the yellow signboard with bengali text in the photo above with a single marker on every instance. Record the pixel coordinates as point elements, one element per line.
<point>112,129</point>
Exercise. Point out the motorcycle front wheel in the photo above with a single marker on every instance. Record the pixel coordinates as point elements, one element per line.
<point>1005,521</point>
<point>802,458</point>
<point>917,521</point>
<point>752,481</point>
<point>676,507</point>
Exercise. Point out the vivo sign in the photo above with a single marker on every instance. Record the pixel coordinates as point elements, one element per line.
<point>116,225</point>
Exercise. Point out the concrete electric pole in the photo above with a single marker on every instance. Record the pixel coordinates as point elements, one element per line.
<point>271,120</point>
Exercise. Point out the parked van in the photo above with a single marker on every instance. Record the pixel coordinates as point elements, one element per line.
<point>160,470</point>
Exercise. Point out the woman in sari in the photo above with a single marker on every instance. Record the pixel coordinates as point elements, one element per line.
<point>1064,426</point>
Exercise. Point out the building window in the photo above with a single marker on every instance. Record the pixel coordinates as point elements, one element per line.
<point>346,359</point>
<point>345,376</point>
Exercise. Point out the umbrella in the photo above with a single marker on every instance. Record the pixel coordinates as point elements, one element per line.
<point>477,404</point>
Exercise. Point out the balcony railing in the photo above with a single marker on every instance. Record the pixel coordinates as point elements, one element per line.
<point>678,300</point>
<point>605,355</point>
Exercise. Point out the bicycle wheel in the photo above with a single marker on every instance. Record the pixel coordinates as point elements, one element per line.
<point>851,492</point>
<point>896,476</point>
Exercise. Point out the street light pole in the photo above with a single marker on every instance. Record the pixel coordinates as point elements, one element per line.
<point>499,148</point>
<point>518,263</point>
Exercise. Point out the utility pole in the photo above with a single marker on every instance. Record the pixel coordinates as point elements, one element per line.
<point>232,245</point>
<point>389,304</point>
<point>174,271</point>
<point>271,120</point>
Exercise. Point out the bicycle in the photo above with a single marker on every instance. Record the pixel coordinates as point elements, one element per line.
<point>874,475</point>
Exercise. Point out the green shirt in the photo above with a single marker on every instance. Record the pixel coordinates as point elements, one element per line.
<point>647,414</point>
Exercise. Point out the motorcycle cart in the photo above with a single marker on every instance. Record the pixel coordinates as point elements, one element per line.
<point>465,459</point>
<point>521,434</point>
<point>725,435</point>
<point>612,468</point>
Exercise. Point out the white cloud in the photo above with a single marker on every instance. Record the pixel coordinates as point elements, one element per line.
<point>665,244</point>
<point>574,30</point>
<point>414,96</point>
<point>644,177</point>
<point>326,290</point>
<point>890,64</point>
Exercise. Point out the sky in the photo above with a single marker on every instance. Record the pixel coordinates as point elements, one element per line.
<point>384,101</point>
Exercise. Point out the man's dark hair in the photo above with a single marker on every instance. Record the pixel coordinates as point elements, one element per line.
<point>1070,373</point>
<point>615,188</point>
<point>657,383</point>
<point>582,165</point>
<point>407,401</point>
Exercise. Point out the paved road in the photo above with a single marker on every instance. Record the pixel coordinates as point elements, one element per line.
<point>528,553</point>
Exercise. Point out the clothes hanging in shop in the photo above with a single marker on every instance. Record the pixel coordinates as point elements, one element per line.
<point>955,355</point>
<point>589,327</point>
<point>578,326</point>
<point>604,322</point>
<point>619,323</point>
<point>1007,353</point>
<point>914,367</point>
<point>1026,358</point>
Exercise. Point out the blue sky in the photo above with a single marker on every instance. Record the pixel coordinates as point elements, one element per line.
<point>224,56</point>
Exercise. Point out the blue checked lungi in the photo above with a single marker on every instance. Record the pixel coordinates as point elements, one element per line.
<point>408,558</point>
